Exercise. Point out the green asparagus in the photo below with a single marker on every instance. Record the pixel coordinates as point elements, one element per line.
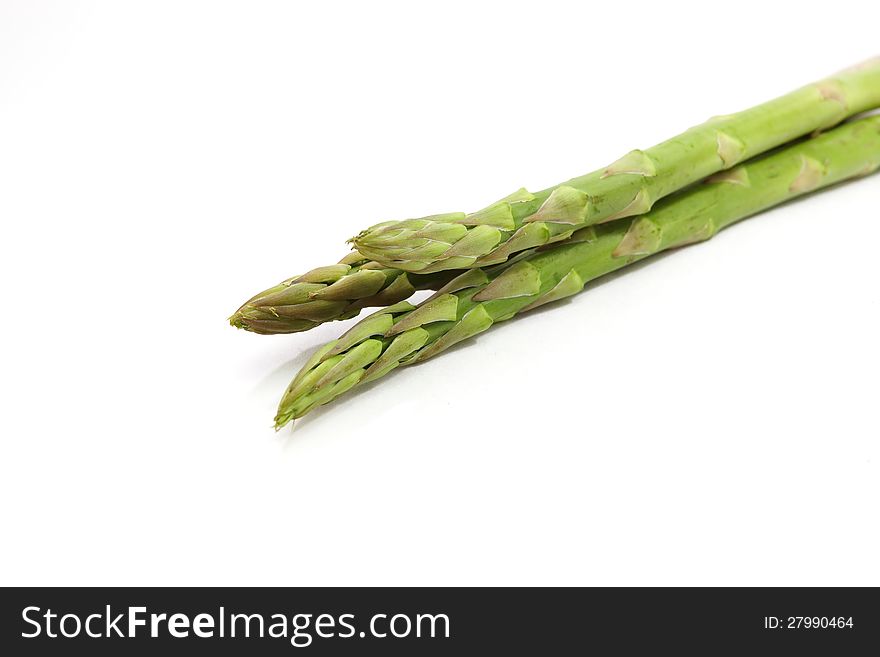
<point>628,187</point>
<point>329,293</point>
<point>476,299</point>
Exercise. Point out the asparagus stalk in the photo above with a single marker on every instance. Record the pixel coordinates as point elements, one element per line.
<point>329,293</point>
<point>628,187</point>
<point>476,299</point>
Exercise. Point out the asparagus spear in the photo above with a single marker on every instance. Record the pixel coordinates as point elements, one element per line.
<point>328,293</point>
<point>628,187</point>
<point>476,299</point>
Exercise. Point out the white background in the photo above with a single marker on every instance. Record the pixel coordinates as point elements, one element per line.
<point>709,418</point>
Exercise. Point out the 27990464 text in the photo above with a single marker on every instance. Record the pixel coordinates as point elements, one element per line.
<point>808,622</point>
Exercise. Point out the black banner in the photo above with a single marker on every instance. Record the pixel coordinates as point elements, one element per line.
<point>419,621</point>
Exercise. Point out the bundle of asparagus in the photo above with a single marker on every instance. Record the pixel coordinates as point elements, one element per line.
<point>531,249</point>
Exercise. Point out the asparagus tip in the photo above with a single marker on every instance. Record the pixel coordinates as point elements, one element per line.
<point>282,420</point>
<point>237,320</point>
